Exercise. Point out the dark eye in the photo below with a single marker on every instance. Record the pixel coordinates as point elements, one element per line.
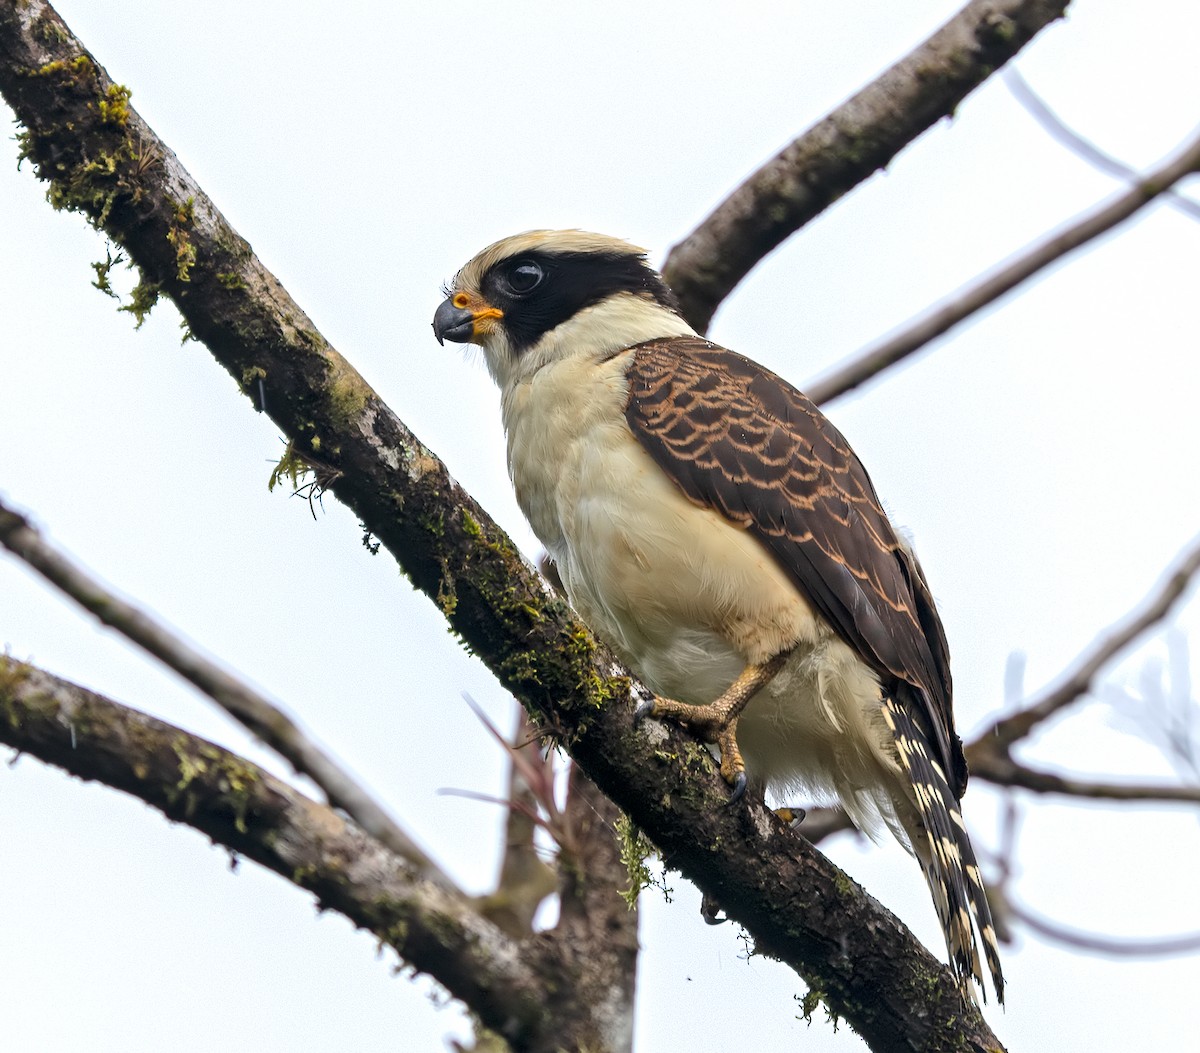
<point>524,276</point>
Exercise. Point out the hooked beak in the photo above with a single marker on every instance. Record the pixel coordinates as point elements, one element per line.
<point>453,323</point>
<point>458,319</point>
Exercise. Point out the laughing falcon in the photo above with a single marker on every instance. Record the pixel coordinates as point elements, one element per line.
<point>718,532</point>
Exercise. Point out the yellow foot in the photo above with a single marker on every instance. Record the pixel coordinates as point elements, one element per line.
<point>793,817</point>
<point>716,723</point>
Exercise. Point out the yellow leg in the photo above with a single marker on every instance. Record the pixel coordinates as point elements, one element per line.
<point>717,721</point>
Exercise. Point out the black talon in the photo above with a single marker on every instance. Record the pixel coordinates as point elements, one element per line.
<point>708,911</point>
<point>644,709</point>
<point>739,788</point>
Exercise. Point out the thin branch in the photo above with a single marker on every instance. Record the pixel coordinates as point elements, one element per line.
<point>897,995</point>
<point>996,766</point>
<point>525,879</point>
<point>262,717</point>
<point>1005,910</point>
<point>1010,729</point>
<point>1060,131</point>
<point>973,298</point>
<point>848,146</point>
<point>535,777</point>
<point>1108,945</point>
<point>596,924</point>
<point>242,807</point>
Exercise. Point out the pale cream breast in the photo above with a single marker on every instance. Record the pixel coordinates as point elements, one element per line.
<point>684,595</point>
<point>615,521</point>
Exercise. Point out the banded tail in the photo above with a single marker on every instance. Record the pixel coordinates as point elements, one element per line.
<point>947,858</point>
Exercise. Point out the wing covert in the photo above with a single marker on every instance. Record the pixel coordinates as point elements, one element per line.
<point>739,439</point>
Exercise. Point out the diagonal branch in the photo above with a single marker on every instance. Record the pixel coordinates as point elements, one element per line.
<point>237,804</point>
<point>871,970</point>
<point>974,298</point>
<point>257,713</point>
<point>848,146</point>
<point>1002,735</point>
<point>1036,107</point>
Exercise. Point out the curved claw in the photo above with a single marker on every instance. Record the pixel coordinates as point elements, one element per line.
<point>708,911</point>
<point>739,788</point>
<point>644,709</point>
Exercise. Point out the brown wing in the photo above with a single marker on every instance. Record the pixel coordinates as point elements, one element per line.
<point>737,438</point>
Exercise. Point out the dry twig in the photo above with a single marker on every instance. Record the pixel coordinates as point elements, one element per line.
<point>1108,945</point>
<point>1010,729</point>
<point>997,766</point>
<point>242,807</point>
<point>262,717</point>
<point>1059,130</point>
<point>973,298</point>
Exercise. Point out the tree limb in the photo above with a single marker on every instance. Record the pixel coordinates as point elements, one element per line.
<point>254,711</point>
<point>847,146</point>
<point>997,766</point>
<point>1094,943</point>
<point>598,929</point>
<point>525,879</point>
<point>867,966</point>
<point>237,804</point>
<point>974,298</point>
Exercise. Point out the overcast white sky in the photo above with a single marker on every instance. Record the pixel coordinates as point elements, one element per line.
<point>1046,460</point>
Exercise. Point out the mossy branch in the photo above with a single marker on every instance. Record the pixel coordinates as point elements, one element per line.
<point>249,811</point>
<point>848,146</point>
<point>875,974</point>
<point>258,714</point>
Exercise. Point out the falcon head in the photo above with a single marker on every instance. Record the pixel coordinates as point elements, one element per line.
<point>547,294</point>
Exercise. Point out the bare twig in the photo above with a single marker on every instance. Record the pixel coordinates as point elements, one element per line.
<point>1059,130</point>
<point>897,995</point>
<point>973,298</point>
<point>997,766</point>
<point>1005,861</point>
<point>1077,681</point>
<point>536,776</point>
<point>1005,910</point>
<point>237,804</point>
<point>525,879</point>
<point>1110,945</point>
<point>847,146</point>
<point>243,703</point>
